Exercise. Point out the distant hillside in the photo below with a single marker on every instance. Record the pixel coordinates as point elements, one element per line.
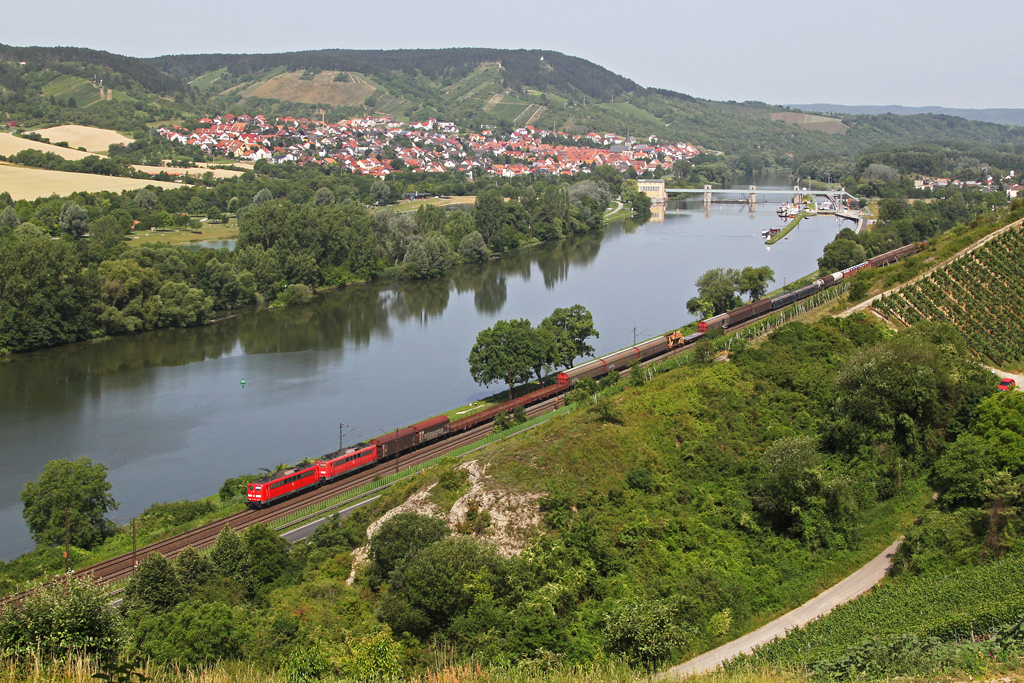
<point>538,69</point>
<point>1014,117</point>
<point>475,87</point>
<point>67,60</point>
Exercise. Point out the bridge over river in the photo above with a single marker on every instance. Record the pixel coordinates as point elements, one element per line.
<point>656,190</point>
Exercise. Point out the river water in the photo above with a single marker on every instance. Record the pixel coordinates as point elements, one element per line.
<point>168,415</point>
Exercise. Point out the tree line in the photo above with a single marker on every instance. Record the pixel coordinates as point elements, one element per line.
<point>88,283</point>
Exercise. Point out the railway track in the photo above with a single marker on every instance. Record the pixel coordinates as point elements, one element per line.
<point>122,567</point>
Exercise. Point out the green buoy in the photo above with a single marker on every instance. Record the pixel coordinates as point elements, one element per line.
<point>243,383</point>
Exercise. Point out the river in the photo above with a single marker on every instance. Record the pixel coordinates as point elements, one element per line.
<point>168,415</point>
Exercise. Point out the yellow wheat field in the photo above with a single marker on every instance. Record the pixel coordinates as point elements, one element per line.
<point>32,183</point>
<point>10,145</point>
<point>93,139</point>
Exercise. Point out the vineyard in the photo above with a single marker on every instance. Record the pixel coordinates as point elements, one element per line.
<point>981,293</point>
<point>927,614</point>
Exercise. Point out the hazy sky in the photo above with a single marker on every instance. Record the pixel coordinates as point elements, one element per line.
<point>909,52</point>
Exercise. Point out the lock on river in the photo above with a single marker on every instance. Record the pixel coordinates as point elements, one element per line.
<point>167,413</point>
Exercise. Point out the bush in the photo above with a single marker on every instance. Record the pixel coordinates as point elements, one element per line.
<point>193,633</point>
<point>59,620</point>
<point>295,295</point>
<point>180,512</point>
<point>401,537</point>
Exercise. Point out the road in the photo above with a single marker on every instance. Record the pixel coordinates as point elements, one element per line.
<point>849,588</point>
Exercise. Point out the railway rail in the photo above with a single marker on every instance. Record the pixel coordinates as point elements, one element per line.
<point>476,427</point>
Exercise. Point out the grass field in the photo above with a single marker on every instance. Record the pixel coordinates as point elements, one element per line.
<point>207,79</point>
<point>10,145</point>
<point>321,90</point>
<point>632,110</point>
<point>93,139</point>
<point>65,87</point>
<point>414,204</point>
<point>217,231</point>
<point>32,183</point>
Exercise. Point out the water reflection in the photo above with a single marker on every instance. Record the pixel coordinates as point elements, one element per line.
<point>162,407</point>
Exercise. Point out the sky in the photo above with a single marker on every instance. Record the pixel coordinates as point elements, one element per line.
<point>870,52</point>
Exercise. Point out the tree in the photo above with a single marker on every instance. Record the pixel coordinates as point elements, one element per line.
<point>262,196</point>
<point>489,215</point>
<point>229,556</point>
<point>700,307</point>
<point>380,192</point>
<point>571,328</point>
<point>507,351</point>
<point>8,220</point>
<point>401,537</point>
<point>268,557</point>
<point>192,633</point>
<point>194,570</point>
<point>754,281</point>
<point>472,248</point>
<point>213,214</point>
<point>323,197</point>
<point>45,294</point>
<point>107,237</point>
<point>840,254</point>
<point>155,585</point>
<point>74,220</point>
<point>803,496</point>
<point>433,585</point>
<point>718,286</point>
<point>429,257</point>
<point>69,501</point>
<point>146,199</point>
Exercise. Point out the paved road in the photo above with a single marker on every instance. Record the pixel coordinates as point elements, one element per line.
<point>304,531</point>
<point>853,585</point>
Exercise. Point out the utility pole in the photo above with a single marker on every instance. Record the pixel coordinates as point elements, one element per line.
<point>67,543</point>
<point>135,563</point>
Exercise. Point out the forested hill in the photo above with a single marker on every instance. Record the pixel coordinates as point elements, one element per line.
<point>474,87</point>
<point>538,69</point>
<point>69,60</point>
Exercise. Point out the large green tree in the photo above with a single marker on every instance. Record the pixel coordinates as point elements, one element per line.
<point>571,328</point>
<point>74,220</point>
<point>754,281</point>
<point>718,286</point>
<point>69,500</point>
<point>505,352</point>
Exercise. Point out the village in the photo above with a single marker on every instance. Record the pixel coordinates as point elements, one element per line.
<point>379,146</point>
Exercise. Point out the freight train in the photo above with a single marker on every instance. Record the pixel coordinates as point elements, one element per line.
<point>288,482</point>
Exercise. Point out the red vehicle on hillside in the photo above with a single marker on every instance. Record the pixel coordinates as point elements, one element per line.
<point>1006,384</point>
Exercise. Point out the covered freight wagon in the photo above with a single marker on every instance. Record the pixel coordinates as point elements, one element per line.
<point>404,439</point>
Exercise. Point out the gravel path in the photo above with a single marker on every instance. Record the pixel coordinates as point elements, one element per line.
<point>849,588</point>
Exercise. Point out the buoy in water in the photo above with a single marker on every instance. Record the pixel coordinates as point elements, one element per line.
<point>243,383</point>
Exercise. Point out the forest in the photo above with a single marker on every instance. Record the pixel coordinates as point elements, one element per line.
<point>89,283</point>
